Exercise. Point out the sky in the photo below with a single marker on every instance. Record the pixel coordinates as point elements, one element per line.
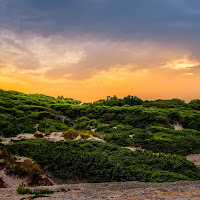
<point>90,49</point>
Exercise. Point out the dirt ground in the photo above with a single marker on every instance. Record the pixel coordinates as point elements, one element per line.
<point>187,190</point>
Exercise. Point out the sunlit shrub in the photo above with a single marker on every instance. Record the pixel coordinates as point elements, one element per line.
<point>85,135</point>
<point>27,162</point>
<point>26,168</point>
<point>70,134</point>
<point>35,168</point>
<point>7,155</point>
<point>30,166</point>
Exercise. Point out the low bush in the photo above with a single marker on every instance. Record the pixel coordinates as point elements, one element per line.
<point>38,135</point>
<point>27,162</point>
<point>23,190</point>
<point>70,134</point>
<point>7,156</point>
<point>85,135</point>
<point>47,133</point>
<point>36,194</point>
<point>31,167</point>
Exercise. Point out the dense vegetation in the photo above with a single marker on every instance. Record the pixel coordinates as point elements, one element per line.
<point>101,162</point>
<point>21,112</point>
<point>130,121</point>
<point>125,122</point>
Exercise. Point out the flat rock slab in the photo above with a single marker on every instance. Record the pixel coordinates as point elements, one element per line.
<point>187,190</point>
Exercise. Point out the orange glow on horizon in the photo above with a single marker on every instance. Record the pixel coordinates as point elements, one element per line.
<point>144,83</point>
<point>90,69</point>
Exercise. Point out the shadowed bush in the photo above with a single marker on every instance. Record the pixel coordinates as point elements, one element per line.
<point>2,183</point>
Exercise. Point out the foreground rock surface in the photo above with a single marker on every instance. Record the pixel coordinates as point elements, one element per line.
<point>187,190</point>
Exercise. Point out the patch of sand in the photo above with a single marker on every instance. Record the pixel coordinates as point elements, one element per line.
<point>133,148</point>
<point>178,126</point>
<point>96,139</point>
<point>11,181</point>
<point>55,136</point>
<point>195,158</point>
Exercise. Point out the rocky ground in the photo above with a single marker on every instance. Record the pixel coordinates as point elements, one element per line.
<point>187,190</point>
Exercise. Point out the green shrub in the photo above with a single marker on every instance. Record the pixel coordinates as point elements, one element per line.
<point>160,176</point>
<point>42,191</point>
<point>23,190</point>
<point>36,194</point>
<point>52,125</point>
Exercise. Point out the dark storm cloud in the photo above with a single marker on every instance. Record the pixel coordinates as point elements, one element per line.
<point>77,38</point>
<point>119,19</point>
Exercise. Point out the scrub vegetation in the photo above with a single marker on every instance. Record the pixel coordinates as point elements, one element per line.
<point>129,121</point>
<point>104,162</point>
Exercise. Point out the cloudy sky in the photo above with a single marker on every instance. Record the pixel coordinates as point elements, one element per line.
<point>89,49</point>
